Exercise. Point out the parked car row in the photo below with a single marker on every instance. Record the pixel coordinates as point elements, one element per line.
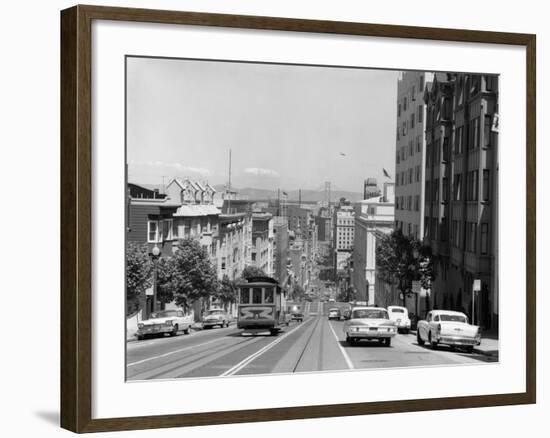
<point>174,321</point>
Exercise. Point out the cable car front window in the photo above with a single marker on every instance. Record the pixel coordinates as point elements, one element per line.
<point>245,295</point>
<point>257,295</point>
<point>268,295</point>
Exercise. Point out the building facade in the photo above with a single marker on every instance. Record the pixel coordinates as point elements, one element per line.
<point>343,235</point>
<point>410,152</point>
<point>280,248</point>
<point>374,217</point>
<point>461,223</point>
<point>262,242</point>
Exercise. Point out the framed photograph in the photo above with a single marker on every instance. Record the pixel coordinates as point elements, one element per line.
<point>271,218</point>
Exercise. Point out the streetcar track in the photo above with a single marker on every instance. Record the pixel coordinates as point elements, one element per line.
<point>197,356</point>
<point>306,345</point>
<point>248,360</point>
<point>320,357</point>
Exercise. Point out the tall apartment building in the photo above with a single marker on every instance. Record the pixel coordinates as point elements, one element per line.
<point>343,235</point>
<point>280,248</point>
<point>410,153</point>
<point>461,223</point>
<point>262,242</point>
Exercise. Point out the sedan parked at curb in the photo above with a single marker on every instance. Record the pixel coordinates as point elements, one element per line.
<point>446,327</point>
<point>369,323</point>
<point>401,317</point>
<point>215,317</point>
<point>164,321</point>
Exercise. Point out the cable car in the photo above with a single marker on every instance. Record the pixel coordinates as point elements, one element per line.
<point>261,306</point>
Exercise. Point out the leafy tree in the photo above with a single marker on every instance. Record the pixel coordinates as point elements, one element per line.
<point>347,295</point>
<point>252,271</point>
<point>165,270</point>
<point>138,275</point>
<point>227,291</point>
<point>402,259</point>
<point>298,293</point>
<point>188,275</point>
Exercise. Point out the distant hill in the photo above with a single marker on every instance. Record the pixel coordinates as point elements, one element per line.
<point>293,195</point>
<point>265,194</point>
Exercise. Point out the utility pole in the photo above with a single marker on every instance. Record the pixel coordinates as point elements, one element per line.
<point>229,186</point>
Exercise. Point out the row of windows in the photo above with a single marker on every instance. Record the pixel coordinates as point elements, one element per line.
<point>406,203</point>
<point>415,117</point>
<point>440,151</point>
<point>256,295</point>
<point>408,176</point>
<point>408,229</point>
<point>472,191</point>
<point>404,103</point>
<point>438,230</point>
<point>414,146</point>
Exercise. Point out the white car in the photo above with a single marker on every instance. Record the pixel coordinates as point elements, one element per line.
<point>334,313</point>
<point>401,317</point>
<point>215,317</point>
<point>164,321</point>
<point>449,328</point>
<point>369,323</point>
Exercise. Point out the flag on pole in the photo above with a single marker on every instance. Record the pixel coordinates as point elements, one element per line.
<point>285,193</point>
<point>386,174</point>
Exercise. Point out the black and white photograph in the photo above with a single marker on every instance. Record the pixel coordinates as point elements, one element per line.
<point>292,218</point>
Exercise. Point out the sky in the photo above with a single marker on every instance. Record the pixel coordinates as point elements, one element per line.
<point>287,126</point>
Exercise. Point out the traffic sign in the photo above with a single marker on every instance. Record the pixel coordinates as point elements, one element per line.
<point>477,285</point>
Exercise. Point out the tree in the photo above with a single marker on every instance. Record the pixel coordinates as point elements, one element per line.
<point>402,259</point>
<point>227,291</point>
<point>188,275</point>
<point>298,293</point>
<point>138,275</point>
<point>165,270</point>
<point>348,295</point>
<point>252,271</point>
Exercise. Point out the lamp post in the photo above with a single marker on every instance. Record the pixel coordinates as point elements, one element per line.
<point>155,255</point>
<point>416,255</point>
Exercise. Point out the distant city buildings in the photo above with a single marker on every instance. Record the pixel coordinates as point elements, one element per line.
<point>343,237</point>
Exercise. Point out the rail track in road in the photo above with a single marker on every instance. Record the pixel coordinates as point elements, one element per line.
<point>178,363</point>
<point>307,344</point>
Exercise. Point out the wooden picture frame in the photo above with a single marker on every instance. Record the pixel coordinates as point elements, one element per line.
<point>76,217</point>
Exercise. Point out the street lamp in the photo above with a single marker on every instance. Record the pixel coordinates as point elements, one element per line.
<point>155,255</point>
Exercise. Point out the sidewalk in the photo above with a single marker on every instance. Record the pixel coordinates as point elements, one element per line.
<point>488,346</point>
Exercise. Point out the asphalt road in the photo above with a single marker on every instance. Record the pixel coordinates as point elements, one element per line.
<point>316,344</point>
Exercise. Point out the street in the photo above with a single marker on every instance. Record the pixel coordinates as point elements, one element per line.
<point>316,344</point>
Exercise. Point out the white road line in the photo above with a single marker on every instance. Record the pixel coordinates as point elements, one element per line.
<point>173,352</point>
<point>235,369</point>
<point>346,357</point>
